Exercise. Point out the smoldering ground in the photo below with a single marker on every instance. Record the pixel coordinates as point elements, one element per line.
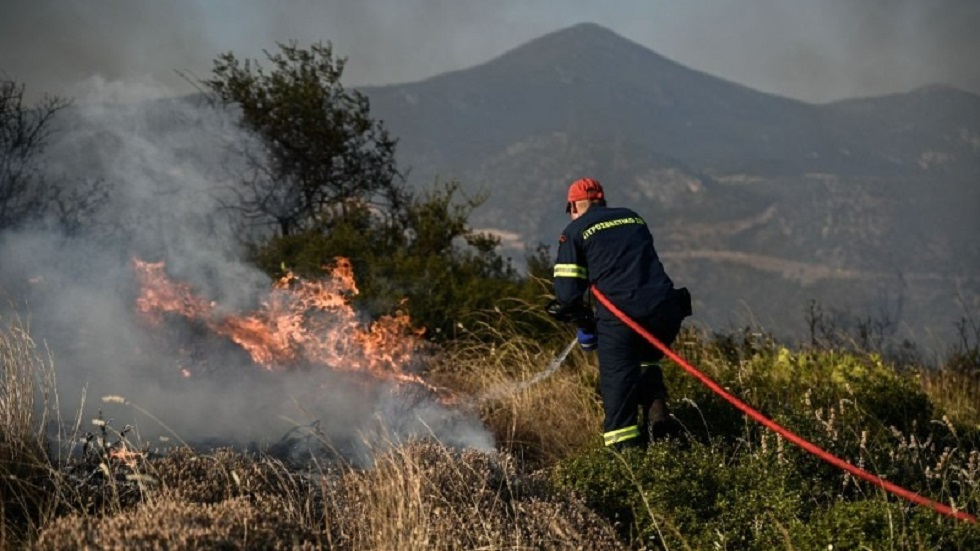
<point>168,165</point>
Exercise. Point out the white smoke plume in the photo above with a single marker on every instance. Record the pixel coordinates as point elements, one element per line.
<point>168,164</point>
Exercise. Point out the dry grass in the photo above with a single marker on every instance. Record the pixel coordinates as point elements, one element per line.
<point>426,496</point>
<point>26,389</point>
<point>957,391</point>
<point>956,385</point>
<point>417,496</point>
<point>188,500</point>
<point>26,398</point>
<point>171,523</point>
<point>540,423</point>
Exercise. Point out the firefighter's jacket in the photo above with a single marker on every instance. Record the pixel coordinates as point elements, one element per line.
<point>611,248</point>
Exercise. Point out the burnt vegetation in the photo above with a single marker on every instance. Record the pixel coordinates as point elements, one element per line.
<point>322,183</point>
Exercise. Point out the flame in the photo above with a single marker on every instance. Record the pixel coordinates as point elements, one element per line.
<point>123,455</point>
<point>300,323</point>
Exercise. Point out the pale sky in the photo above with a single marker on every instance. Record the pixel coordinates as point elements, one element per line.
<point>814,50</point>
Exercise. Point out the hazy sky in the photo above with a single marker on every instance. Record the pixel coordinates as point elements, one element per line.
<point>807,49</point>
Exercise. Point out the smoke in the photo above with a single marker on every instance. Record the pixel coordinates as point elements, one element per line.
<point>169,164</point>
<point>876,47</point>
<point>813,51</point>
<point>51,44</point>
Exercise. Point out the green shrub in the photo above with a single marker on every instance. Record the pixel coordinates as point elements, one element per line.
<point>696,496</point>
<point>875,523</point>
<point>739,486</point>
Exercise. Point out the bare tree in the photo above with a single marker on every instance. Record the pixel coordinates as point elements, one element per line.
<point>27,195</point>
<point>23,133</point>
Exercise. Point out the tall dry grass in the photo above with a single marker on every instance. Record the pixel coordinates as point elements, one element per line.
<point>494,363</point>
<point>956,385</point>
<point>27,398</point>
<point>417,496</point>
<point>427,496</point>
<point>957,390</point>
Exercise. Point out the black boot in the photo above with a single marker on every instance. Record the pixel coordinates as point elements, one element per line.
<point>659,423</point>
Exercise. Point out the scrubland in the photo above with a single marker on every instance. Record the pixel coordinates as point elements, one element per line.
<point>726,483</point>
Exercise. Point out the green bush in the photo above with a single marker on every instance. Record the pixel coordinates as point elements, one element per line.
<point>879,524</point>
<point>696,496</point>
<point>702,497</point>
<point>736,485</point>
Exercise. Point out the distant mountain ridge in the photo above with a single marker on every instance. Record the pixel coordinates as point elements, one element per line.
<point>588,80</point>
<point>758,201</point>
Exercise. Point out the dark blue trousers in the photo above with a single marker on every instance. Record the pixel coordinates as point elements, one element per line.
<point>630,377</point>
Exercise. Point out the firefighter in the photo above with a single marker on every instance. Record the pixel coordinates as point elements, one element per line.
<point>612,248</point>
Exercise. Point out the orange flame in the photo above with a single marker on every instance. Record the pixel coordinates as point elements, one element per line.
<point>123,455</point>
<point>301,322</point>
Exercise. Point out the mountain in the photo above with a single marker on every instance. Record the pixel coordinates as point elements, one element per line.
<point>586,80</point>
<point>759,203</point>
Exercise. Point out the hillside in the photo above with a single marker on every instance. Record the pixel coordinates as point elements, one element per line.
<point>588,81</point>
<point>760,202</point>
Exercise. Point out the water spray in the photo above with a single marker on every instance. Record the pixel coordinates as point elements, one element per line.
<point>506,389</point>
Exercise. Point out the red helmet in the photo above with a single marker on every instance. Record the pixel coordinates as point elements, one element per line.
<point>584,189</point>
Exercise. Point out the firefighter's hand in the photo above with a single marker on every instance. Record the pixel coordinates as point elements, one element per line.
<point>576,313</point>
<point>556,310</point>
<point>587,339</point>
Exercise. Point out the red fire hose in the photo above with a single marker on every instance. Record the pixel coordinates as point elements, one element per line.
<point>778,429</point>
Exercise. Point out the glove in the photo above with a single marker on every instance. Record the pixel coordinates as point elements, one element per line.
<point>577,313</point>
<point>587,339</point>
<point>556,310</point>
